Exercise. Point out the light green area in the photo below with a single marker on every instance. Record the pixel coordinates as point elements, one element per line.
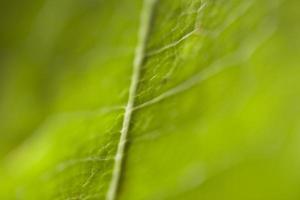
<point>216,113</point>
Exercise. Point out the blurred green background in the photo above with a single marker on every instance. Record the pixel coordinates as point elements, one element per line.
<point>52,60</point>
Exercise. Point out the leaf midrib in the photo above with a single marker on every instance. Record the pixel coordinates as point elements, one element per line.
<point>145,21</point>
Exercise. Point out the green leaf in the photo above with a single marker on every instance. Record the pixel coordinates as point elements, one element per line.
<point>153,99</point>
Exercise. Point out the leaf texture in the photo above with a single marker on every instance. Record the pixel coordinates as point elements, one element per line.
<point>212,113</point>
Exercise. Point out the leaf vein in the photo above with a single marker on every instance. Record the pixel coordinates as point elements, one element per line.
<point>145,21</point>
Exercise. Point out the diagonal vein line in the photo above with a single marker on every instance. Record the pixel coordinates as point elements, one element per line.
<point>241,55</point>
<point>145,21</point>
<point>172,44</point>
<point>180,40</point>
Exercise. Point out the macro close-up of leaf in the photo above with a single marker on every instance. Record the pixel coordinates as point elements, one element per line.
<point>149,100</point>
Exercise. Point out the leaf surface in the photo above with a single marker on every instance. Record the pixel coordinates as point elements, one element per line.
<point>212,112</point>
